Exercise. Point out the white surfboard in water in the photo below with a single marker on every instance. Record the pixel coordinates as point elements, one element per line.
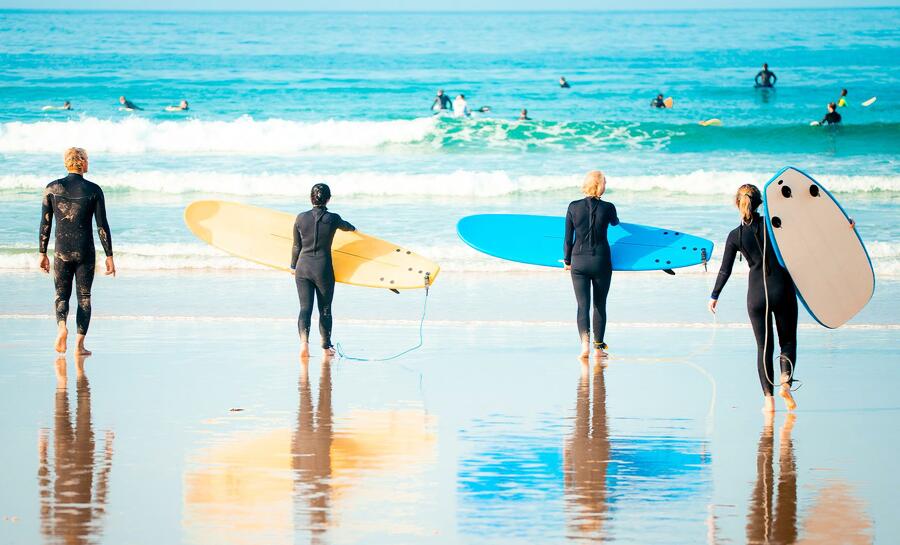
<point>815,241</point>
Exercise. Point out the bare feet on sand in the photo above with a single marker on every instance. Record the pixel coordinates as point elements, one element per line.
<point>304,351</point>
<point>769,405</point>
<point>600,354</point>
<point>785,393</point>
<point>327,353</point>
<point>79,345</point>
<point>61,338</point>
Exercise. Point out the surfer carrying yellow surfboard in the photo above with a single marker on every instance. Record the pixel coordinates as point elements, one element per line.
<point>770,293</point>
<point>313,267</point>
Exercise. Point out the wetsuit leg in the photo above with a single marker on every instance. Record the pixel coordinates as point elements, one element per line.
<point>84,278</point>
<point>63,274</point>
<point>756,308</point>
<point>582,284</point>
<point>324,297</point>
<point>786,324</point>
<point>305,291</point>
<point>601,290</point>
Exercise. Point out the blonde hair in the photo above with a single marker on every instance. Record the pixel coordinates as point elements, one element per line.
<point>76,160</point>
<point>747,199</point>
<point>594,184</point>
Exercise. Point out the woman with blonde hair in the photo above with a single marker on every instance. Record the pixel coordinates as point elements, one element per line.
<point>587,256</point>
<point>771,293</point>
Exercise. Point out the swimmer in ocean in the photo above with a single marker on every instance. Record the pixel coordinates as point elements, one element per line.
<point>563,83</point>
<point>765,77</point>
<point>523,116</point>
<point>182,106</point>
<point>658,102</point>
<point>832,117</point>
<point>441,102</point>
<point>461,107</point>
<point>65,106</point>
<point>843,100</point>
<point>127,105</point>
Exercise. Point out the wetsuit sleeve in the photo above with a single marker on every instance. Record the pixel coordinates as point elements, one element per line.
<point>614,216</point>
<point>46,223</point>
<point>103,224</point>
<point>295,252</point>
<point>731,248</point>
<point>345,225</point>
<point>774,78</point>
<point>569,241</point>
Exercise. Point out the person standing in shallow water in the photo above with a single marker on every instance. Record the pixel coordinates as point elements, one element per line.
<point>314,232</point>
<point>588,257</point>
<point>73,202</point>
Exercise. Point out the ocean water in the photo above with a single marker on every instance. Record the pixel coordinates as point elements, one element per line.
<point>280,101</point>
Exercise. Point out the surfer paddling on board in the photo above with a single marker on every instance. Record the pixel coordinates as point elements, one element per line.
<point>73,202</point>
<point>313,268</point>
<point>765,77</point>
<point>587,256</point>
<point>770,293</point>
<point>563,83</point>
<point>127,105</point>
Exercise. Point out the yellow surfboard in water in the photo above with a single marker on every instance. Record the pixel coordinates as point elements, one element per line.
<point>669,102</point>
<point>266,237</point>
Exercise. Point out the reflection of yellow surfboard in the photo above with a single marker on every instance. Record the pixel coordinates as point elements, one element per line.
<point>266,237</point>
<point>714,122</point>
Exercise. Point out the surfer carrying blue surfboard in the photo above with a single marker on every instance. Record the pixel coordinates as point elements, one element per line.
<point>587,256</point>
<point>771,293</point>
<point>313,267</point>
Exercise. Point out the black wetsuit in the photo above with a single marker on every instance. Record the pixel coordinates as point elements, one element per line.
<point>831,118</point>
<point>443,101</point>
<point>658,103</point>
<point>766,78</point>
<point>565,85</point>
<point>749,241</point>
<point>313,234</point>
<point>586,249</point>
<point>74,201</point>
<point>128,105</point>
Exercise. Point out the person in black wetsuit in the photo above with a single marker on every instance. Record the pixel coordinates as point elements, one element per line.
<point>765,77</point>
<point>751,239</point>
<point>441,102</point>
<point>73,202</point>
<point>313,269</point>
<point>832,117</point>
<point>563,83</point>
<point>128,105</point>
<point>658,102</point>
<point>587,255</point>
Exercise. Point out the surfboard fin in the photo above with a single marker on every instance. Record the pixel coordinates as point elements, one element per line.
<point>669,271</point>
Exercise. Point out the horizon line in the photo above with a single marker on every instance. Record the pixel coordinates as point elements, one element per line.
<point>444,12</point>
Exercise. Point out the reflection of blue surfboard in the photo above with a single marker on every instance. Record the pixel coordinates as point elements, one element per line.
<point>813,239</point>
<point>538,240</point>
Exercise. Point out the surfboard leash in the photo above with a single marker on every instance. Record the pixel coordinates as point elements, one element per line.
<point>344,356</point>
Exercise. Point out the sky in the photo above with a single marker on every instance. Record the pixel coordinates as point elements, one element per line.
<point>434,5</point>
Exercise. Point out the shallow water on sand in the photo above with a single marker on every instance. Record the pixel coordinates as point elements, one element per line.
<point>212,432</point>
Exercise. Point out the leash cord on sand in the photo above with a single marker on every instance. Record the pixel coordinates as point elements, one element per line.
<point>342,355</point>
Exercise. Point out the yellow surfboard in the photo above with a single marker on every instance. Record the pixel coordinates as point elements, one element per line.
<point>266,237</point>
<point>669,102</point>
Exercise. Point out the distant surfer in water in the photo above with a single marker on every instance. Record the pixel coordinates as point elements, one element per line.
<point>127,105</point>
<point>523,116</point>
<point>658,102</point>
<point>832,117</point>
<point>182,106</point>
<point>771,293</point>
<point>441,102</point>
<point>73,202</point>
<point>313,268</point>
<point>843,100</point>
<point>587,255</point>
<point>563,83</point>
<point>65,106</point>
<point>461,107</point>
<point>765,77</point>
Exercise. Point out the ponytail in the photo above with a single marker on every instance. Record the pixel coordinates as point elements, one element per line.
<point>747,200</point>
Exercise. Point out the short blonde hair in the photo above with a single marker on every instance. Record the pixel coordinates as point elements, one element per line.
<point>594,184</point>
<point>76,160</point>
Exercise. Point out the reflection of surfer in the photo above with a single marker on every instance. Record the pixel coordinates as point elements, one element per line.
<point>586,456</point>
<point>764,526</point>
<point>72,495</point>
<point>311,449</point>
<point>765,77</point>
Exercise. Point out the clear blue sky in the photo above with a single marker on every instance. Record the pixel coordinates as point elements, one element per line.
<point>434,5</point>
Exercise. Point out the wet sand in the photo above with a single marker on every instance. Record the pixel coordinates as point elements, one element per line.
<point>492,432</point>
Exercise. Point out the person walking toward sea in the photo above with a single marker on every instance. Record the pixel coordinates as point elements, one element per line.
<point>314,232</point>
<point>765,77</point>
<point>73,202</point>
<point>587,256</point>
<point>770,293</point>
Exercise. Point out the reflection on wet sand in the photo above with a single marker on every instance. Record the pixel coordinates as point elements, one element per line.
<point>835,517</point>
<point>72,497</point>
<point>586,457</point>
<point>278,485</point>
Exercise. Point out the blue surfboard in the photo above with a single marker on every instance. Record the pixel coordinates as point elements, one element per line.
<point>538,240</point>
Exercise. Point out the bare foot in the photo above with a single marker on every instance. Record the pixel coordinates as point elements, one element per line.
<point>327,353</point>
<point>80,349</point>
<point>785,393</point>
<point>304,350</point>
<point>600,354</point>
<point>61,338</point>
<point>585,350</point>
<point>769,405</point>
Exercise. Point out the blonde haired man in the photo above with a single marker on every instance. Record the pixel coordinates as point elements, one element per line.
<point>73,202</point>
